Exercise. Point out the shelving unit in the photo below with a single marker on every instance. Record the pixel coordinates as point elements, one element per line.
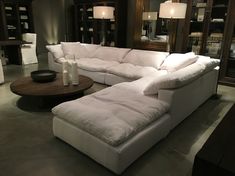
<point>209,30</point>
<point>227,67</point>
<point>90,30</point>
<point>16,19</point>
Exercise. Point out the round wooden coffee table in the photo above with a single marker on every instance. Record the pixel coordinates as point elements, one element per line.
<point>25,86</point>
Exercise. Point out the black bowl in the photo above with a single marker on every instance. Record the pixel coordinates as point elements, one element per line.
<point>43,76</point>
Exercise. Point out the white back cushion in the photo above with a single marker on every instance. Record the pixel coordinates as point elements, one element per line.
<point>177,61</point>
<point>145,58</point>
<point>176,79</point>
<point>74,48</point>
<point>91,48</point>
<point>110,53</point>
<point>56,50</point>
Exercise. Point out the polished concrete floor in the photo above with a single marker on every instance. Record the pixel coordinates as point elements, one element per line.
<point>28,147</point>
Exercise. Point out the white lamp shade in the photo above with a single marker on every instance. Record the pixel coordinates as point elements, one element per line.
<point>173,10</point>
<point>103,12</point>
<point>149,16</point>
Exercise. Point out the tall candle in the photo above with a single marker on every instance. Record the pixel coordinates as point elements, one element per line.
<point>65,78</point>
<point>65,66</point>
<point>74,74</point>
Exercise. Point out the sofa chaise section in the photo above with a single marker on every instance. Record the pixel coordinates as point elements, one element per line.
<point>113,126</point>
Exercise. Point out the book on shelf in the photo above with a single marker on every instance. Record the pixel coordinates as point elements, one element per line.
<point>22,9</point>
<point>195,34</point>
<point>201,4</point>
<point>89,10</point>
<point>23,17</point>
<point>11,38</point>
<point>217,20</point>
<point>8,8</point>
<point>11,27</point>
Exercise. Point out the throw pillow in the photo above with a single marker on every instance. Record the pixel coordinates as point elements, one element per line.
<point>177,61</point>
<point>75,49</point>
<point>56,50</point>
<point>176,79</point>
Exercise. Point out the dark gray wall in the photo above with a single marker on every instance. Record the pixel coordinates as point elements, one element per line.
<point>130,22</point>
<point>49,22</point>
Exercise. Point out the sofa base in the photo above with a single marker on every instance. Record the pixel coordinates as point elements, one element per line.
<point>117,159</point>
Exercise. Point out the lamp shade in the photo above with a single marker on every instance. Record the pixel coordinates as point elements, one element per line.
<point>103,12</point>
<point>149,16</point>
<point>173,10</point>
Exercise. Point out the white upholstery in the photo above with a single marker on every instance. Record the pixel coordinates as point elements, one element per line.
<point>183,101</point>
<point>117,159</point>
<point>145,58</point>
<point>28,51</point>
<point>110,53</point>
<point>129,67</point>
<point>131,71</point>
<point>177,61</point>
<point>56,50</point>
<point>1,73</point>
<point>95,64</point>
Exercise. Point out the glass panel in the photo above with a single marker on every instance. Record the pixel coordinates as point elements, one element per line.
<point>196,26</point>
<point>231,60</point>
<point>153,28</point>
<point>216,28</point>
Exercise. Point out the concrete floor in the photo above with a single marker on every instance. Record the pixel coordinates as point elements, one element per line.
<point>28,147</point>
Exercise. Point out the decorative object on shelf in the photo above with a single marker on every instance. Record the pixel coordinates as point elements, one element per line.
<point>149,17</point>
<point>43,76</point>
<point>172,11</point>
<point>104,13</point>
<point>201,14</point>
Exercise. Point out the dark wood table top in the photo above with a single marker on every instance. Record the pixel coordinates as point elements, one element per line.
<point>25,86</point>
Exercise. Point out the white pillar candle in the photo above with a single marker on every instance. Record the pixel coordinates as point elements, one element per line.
<point>65,78</point>
<point>65,66</point>
<point>74,74</point>
<point>1,73</point>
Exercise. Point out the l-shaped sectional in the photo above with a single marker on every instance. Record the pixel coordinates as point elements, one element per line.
<point>151,93</point>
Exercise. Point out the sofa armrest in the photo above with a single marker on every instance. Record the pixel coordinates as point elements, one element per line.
<point>184,100</point>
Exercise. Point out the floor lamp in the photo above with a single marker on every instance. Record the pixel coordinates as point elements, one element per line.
<point>149,17</point>
<point>104,13</point>
<point>172,11</point>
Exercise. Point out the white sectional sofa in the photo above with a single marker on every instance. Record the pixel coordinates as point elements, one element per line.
<point>152,93</point>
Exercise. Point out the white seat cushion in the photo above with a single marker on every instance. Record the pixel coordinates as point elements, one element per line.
<point>94,64</point>
<point>131,71</point>
<point>113,115</point>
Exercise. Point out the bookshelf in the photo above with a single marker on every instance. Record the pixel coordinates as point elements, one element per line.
<point>209,30</point>
<point>16,19</point>
<point>89,30</point>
